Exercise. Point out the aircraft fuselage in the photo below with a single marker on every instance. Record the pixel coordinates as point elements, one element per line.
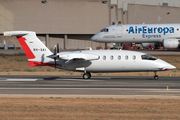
<point>137,33</point>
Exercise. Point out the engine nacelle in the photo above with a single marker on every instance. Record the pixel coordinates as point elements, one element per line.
<point>171,43</point>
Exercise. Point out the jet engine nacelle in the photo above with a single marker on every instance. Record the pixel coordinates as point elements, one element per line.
<point>171,43</point>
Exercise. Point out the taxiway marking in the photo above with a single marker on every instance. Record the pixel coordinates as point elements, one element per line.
<point>24,80</point>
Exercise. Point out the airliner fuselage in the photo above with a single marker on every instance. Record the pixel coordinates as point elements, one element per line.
<point>168,34</point>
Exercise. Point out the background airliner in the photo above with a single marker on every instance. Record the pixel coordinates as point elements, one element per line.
<point>167,34</point>
<point>87,61</point>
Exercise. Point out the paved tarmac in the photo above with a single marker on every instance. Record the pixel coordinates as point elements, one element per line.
<point>97,86</point>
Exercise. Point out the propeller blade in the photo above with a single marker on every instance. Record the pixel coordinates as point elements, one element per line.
<point>57,47</point>
<point>55,62</point>
<point>55,50</point>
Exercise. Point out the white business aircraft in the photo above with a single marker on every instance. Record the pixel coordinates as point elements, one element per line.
<point>167,34</point>
<point>87,61</point>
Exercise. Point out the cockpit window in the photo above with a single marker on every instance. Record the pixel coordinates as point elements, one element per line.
<point>148,57</point>
<point>104,30</point>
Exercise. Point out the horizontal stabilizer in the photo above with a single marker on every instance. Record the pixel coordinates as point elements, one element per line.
<point>15,33</point>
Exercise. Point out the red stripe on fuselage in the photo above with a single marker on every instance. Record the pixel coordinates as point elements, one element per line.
<point>35,63</point>
<point>25,47</point>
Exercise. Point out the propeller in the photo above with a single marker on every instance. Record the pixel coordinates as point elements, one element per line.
<point>56,50</point>
<point>57,47</point>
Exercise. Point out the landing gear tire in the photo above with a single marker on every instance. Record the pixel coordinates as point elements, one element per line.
<point>87,75</point>
<point>156,77</point>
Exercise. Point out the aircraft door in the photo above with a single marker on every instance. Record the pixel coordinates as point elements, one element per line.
<point>118,30</point>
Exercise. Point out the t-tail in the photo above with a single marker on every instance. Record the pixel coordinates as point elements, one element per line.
<point>34,49</point>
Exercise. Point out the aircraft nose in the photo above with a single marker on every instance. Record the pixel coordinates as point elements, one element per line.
<point>169,67</point>
<point>165,65</point>
<point>94,38</point>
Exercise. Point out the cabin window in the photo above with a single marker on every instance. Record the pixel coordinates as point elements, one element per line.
<point>119,57</point>
<point>104,57</point>
<point>112,57</point>
<point>134,57</point>
<point>105,30</point>
<point>148,57</point>
<point>178,29</point>
<point>126,57</point>
<point>127,30</point>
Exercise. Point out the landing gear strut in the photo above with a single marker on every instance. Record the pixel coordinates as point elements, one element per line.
<point>87,75</point>
<point>156,76</point>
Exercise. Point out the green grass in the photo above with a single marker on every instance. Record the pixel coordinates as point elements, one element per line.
<point>16,70</point>
<point>3,56</point>
<point>30,70</point>
<point>48,70</point>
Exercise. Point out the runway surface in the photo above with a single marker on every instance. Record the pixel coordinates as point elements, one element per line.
<point>98,86</point>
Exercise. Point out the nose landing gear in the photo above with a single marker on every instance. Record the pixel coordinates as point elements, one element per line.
<point>155,76</point>
<point>87,75</point>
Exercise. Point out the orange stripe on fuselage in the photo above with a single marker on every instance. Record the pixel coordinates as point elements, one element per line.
<point>25,47</point>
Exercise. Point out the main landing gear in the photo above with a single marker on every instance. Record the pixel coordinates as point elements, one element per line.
<point>155,76</point>
<point>87,75</point>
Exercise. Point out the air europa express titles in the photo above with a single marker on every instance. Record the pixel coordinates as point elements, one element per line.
<point>145,29</point>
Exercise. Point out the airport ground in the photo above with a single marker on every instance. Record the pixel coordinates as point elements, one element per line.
<point>57,108</point>
<point>102,98</point>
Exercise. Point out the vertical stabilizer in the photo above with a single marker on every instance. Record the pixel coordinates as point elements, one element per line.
<point>34,49</point>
